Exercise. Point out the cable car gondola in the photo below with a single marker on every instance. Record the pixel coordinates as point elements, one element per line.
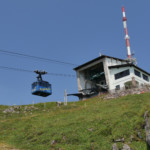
<point>41,88</point>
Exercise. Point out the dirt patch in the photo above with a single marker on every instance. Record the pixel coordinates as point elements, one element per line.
<point>6,147</point>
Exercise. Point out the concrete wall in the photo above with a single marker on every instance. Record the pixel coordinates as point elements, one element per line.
<point>121,81</point>
<point>113,62</point>
<point>113,83</point>
<point>108,74</point>
<point>140,79</point>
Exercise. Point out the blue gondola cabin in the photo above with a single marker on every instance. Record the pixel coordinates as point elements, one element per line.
<point>41,88</point>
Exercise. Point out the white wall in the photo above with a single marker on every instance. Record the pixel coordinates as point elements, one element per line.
<point>113,62</point>
<point>121,81</point>
<point>80,80</point>
<point>110,75</point>
<point>140,79</point>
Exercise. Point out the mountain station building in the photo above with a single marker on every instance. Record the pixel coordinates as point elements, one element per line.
<point>108,74</point>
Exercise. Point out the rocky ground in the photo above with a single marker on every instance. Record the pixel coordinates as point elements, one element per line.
<point>120,93</point>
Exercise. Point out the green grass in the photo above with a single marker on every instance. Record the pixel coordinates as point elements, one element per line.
<point>86,125</point>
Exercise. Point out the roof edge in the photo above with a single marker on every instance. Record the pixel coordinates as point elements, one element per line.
<point>131,65</point>
<point>96,59</point>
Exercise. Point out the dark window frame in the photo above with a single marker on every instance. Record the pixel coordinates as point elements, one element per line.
<point>145,77</point>
<point>137,73</point>
<point>122,74</point>
<point>117,87</point>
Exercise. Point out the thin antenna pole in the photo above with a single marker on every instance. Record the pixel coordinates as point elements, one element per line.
<point>126,33</point>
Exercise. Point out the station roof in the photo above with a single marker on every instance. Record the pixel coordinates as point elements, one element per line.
<point>128,65</point>
<point>98,58</point>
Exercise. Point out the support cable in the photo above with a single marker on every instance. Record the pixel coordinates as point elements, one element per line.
<point>29,71</point>
<point>35,57</point>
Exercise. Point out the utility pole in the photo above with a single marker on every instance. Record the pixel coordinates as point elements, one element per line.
<point>65,97</point>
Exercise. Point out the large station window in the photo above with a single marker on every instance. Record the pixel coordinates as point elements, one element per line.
<point>94,77</point>
<point>122,74</point>
<point>95,74</point>
<point>145,77</point>
<point>137,73</point>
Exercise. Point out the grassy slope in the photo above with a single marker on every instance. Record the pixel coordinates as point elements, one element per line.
<point>91,124</point>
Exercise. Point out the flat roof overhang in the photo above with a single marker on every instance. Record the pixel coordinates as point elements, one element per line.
<point>129,65</point>
<point>99,58</point>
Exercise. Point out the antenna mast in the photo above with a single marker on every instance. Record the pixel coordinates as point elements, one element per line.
<point>130,59</point>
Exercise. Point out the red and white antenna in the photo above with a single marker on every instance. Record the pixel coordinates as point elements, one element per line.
<point>126,33</point>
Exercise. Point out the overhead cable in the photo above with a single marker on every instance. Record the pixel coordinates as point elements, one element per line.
<point>35,57</point>
<point>29,71</point>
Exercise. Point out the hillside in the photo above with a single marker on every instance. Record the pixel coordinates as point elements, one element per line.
<point>93,124</point>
